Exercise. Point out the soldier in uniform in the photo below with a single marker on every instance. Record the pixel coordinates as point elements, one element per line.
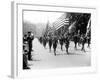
<point>40,39</point>
<point>67,43</point>
<point>75,40</point>
<point>83,39</point>
<point>44,42</point>
<point>50,43</point>
<point>55,41</point>
<point>61,40</point>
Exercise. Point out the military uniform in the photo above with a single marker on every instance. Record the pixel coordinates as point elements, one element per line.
<point>67,44</point>
<point>50,43</point>
<point>55,41</point>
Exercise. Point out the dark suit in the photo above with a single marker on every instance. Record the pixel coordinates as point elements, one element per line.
<point>29,39</point>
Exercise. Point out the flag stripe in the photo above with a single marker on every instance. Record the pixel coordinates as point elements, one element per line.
<point>61,21</point>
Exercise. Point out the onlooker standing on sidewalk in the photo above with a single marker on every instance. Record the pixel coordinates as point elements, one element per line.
<point>30,39</point>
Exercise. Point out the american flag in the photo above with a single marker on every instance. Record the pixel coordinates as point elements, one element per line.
<point>61,21</point>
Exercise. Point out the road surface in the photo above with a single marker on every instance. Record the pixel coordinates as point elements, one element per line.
<point>44,59</point>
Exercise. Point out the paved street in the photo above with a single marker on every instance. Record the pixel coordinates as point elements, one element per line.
<point>44,59</point>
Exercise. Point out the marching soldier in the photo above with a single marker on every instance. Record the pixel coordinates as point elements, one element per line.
<point>75,40</point>
<point>83,39</point>
<point>44,42</point>
<point>40,39</point>
<point>50,43</point>
<point>67,43</point>
<point>55,41</point>
<point>61,40</point>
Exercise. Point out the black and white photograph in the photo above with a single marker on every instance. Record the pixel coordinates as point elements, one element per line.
<point>54,39</point>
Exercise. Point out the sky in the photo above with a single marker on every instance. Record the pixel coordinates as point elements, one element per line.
<point>41,17</point>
